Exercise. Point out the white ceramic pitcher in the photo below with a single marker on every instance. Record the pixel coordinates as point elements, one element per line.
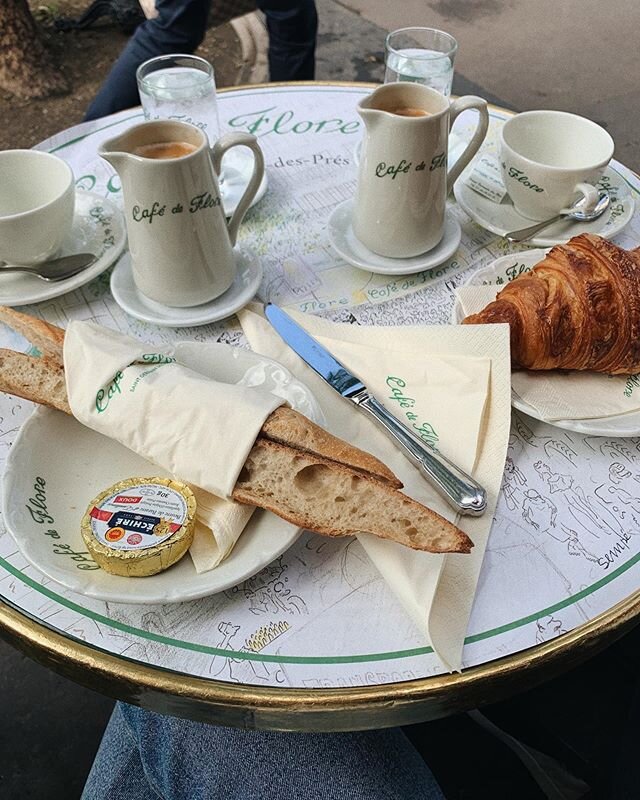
<point>403,182</point>
<point>181,245</point>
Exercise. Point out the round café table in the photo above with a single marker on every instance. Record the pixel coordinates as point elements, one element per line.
<point>316,640</point>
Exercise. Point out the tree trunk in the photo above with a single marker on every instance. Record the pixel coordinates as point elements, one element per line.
<point>26,66</point>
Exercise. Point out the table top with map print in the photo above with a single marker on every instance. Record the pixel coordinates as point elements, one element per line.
<point>316,640</point>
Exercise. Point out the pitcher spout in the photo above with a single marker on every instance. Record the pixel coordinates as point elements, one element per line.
<point>116,151</point>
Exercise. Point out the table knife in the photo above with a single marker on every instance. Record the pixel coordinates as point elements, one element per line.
<point>460,490</point>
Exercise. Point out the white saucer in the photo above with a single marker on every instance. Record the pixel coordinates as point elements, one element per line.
<point>243,288</point>
<point>92,461</point>
<point>502,271</point>
<point>502,218</point>
<point>98,227</point>
<point>351,249</point>
<point>237,166</point>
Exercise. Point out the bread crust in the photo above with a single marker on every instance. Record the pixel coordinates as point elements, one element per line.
<point>48,338</point>
<point>289,427</point>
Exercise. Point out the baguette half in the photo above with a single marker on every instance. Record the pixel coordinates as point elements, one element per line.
<point>295,469</point>
<point>336,500</point>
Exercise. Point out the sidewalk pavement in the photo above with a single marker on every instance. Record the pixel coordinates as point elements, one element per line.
<point>576,56</point>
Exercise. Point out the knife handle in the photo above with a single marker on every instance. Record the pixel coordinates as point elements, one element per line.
<point>460,490</point>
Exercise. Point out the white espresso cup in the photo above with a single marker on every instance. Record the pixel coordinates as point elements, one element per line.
<point>550,158</point>
<point>37,198</point>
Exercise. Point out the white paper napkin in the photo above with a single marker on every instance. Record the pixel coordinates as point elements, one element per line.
<point>198,429</point>
<point>450,382</point>
<point>558,394</point>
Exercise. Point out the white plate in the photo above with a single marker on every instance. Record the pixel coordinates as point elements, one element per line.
<point>350,248</point>
<point>91,462</point>
<point>245,285</point>
<point>98,227</point>
<point>237,166</point>
<point>502,271</point>
<point>502,218</point>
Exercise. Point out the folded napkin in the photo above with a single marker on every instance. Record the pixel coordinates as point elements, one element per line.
<point>198,429</point>
<point>451,385</point>
<point>558,394</point>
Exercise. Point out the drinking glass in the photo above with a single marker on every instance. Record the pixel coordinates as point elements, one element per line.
<point>180,87</point>
<point>421,55</point>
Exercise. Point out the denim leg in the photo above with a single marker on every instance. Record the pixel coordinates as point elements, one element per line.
<point>293,28</point>
<point>117,772</point>
<point>179,28</point>
<point>193,761</point>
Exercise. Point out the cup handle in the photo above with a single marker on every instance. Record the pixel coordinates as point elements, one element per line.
<point>590,193</point>
<point>225,143</point>
<point>457,107</point>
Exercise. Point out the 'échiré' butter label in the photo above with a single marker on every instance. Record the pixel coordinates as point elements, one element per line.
<point>138,517</point>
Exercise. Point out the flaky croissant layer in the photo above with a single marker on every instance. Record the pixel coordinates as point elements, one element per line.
<point>579,308</point>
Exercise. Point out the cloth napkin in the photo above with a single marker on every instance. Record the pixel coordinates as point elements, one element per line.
<point>451,384</point>
<point>198,429</point>
<point>558,394</point>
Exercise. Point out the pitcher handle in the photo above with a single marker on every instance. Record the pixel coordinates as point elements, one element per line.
<point>457,107</point>
<point>225,143</point>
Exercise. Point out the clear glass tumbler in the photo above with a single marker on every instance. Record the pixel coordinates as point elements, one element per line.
<point>421,55</point>
<point>180,87</point>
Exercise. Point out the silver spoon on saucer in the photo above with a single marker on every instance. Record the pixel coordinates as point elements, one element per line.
<point>56,269</point>
<point>574,212</point>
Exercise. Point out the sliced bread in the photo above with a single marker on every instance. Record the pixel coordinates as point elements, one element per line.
<point>46,337</point>
<point>37,379</point>
<point>335,500</point>
<point>287,426</point>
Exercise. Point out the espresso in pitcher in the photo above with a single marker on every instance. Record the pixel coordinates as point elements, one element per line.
<point>409,111</point>
<point>164,150</point>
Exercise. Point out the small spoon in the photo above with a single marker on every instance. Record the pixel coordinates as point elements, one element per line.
<point>57,269</point>
<point>573,212</point>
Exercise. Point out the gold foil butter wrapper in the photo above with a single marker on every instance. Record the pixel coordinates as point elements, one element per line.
<point>140,526</point>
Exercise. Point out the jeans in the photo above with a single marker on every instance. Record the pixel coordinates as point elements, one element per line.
<point>181,26</point>
<point>145,756</point>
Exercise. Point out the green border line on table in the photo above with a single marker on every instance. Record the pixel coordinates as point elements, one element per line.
<point>242,655</point>
<point>284,659</point>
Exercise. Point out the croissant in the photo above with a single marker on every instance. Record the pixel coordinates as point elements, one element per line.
<point>579,308</point>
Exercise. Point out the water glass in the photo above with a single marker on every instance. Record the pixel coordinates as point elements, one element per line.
<point>180,87</point>
<point>421,55</point>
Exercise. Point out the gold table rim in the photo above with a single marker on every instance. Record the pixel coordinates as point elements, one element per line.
<point>383,704</point>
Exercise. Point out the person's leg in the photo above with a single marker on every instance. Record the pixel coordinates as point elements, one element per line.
<point>185,760</point>
<point>179,28</point>
<point>293,28</point>
<point>117,772</point>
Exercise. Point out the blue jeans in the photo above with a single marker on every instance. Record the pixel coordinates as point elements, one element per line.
<point>180,27</point>
<point>145,756</point>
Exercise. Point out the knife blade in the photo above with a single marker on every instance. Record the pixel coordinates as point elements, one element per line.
<point>460,490</point>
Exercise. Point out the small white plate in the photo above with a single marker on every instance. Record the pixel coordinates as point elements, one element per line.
<point>350,248</point>
<point>502,271</point>
<point>98,227</point>
<point>241,291</point>
<point>502,218</point>
<point>237,166</point>
<point>33,479</point>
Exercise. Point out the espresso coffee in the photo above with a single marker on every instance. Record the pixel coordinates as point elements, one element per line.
<point>409,111</point>
<point>165,150</point>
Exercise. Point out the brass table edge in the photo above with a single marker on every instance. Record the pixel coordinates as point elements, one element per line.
<point>283,708</point>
